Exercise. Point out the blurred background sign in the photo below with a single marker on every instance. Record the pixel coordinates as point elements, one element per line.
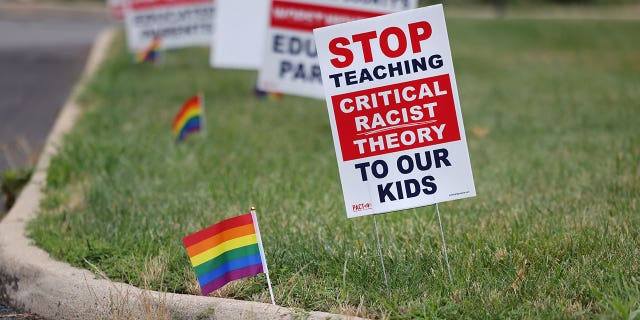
<point>179,23</point>
<point>290,62</point>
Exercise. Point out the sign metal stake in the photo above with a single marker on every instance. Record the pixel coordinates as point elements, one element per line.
<point>384,271</point>
<point>444,244</point>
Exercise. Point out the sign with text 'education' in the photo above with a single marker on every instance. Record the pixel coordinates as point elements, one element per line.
<point>179,23</point>
<point>290,60</point>
<point>394,110</point>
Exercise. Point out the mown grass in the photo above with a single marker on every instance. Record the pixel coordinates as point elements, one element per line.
<point>552,113</point>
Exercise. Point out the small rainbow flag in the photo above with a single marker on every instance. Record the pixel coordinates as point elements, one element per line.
<point>189,119</point>
<point>151,53</point>
<point>227,251</point>
<point>260,94</point>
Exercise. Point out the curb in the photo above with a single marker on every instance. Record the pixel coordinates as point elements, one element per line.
<point>31,280</point>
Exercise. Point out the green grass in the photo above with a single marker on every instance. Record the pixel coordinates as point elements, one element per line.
<point>557,177</point>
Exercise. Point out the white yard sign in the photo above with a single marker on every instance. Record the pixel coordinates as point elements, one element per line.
<point>290,62</point>
<point>179,23</point>
<point>116,9</point>
<point>240,30</point>
<point>394,110</point>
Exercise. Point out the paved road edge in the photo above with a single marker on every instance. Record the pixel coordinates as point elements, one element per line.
<point>32,280</point>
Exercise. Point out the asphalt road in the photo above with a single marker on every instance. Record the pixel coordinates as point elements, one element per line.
<point>42,52</point>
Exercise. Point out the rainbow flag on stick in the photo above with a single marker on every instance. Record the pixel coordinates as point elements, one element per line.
<point>260,94</point>
<point>190,118</point>
<point>152,52</point>
<point>227,251</point>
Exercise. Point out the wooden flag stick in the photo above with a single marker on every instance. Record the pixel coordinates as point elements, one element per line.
<point>262,255</point>
<point>202,119</point>
<point>384,271</point>
<point>444,245</point>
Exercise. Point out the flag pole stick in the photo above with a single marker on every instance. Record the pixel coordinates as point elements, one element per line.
<point>384,271</point>
<point>202,118</point>
<point>444,245</point>
<point>262,255</point>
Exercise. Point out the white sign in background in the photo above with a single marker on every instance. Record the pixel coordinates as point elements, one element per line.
<point>290,62</point>
<point>240,30</point>
<point>394,111</point>
<point>116,9</point>
<point>179,23</point>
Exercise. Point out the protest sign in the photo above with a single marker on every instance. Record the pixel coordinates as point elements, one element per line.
<point>290,62</point>
<point>116,9</point>
<point>240,31</point>
<point>394,111</point>
<point>179,23</point>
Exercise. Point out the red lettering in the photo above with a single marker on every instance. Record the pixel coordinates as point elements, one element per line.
<point>418,32</point>
<point>340,51</point>
<point>365,41</point>
<point>416,36</point>
<point>384,42</point>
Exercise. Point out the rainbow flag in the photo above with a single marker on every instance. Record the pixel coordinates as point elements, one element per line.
<point>189,119</point>
<point>226,251</point>
<point>151,53</point>
<point>260,94</point>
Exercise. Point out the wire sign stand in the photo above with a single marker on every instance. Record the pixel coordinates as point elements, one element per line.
<point>444,249</point>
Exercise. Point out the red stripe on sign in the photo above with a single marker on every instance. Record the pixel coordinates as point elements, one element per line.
<point>396,117</point>
<point>153,4</point>
<point>306,17</point>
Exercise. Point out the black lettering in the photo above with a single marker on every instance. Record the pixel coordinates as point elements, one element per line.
<point>336,79</point>
<point>435,61</point>
<point>285,66</point>
<point>399,189</point>
<point>424,166</point>
<point>295,45</point>
<point>412,188</point>
<point>299,74</point>
<point>419,64</point>
<point>379,75</point>
<point>393,70</point>
<point>405,159</point>
<point>374,170</point>
<point>277,43</point>
<point>385,192</point>
<point>365,75</point>
<point>350,76</point>
<point>429,186</point>
<point>440,156</point>
<point>363,169</point>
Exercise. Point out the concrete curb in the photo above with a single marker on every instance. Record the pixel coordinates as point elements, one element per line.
<point>31,280</point>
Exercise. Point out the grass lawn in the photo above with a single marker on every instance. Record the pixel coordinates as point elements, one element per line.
<point>552,113</point>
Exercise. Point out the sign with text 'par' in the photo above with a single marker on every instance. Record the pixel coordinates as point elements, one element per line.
<point>394,110</point>
<point>179,23</point>
<point>290,61</point>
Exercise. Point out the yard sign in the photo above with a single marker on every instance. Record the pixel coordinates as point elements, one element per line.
<point>179,23</point>
<point>240,31</point>
<point>394,110</point>
<point>290,62</point>
<point>116,9</point>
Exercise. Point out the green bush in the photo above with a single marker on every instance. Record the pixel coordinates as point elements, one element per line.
<point>12,183</point>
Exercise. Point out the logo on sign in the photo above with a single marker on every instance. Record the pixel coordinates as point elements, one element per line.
<point>361,207</point>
